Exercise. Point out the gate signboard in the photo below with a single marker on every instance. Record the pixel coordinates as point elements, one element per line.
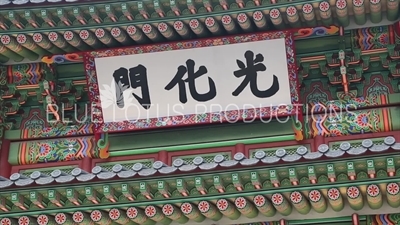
<point>228,79</point>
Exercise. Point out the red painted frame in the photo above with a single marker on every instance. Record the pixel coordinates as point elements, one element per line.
<point>265,112</point>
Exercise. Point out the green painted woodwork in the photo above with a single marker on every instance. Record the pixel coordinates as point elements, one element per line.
<point>330,221</point>
<point>161,139</point>
<point>320,45</point>
<point>70,71</point>
<point>395,111</point>
<point>204,146</point>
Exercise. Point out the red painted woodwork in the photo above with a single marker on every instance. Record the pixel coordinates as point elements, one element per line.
<point>163,156</point>
<point>239,148</point>
<point>355,219</point>
<point>86,164</point>
<point>5,167</point>
<point>318,140</point>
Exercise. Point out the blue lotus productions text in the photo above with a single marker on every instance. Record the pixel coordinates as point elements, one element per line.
<point>231,113</point>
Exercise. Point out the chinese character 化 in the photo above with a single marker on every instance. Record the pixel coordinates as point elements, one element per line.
<point>192,76</point>
<point>137,77</point>
<point>254,65</point>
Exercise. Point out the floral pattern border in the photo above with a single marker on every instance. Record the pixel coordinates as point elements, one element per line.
<point>225,116</point>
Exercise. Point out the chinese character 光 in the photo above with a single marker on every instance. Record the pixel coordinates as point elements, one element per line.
<point>137,77</point>
<point>254,65</point>
<point>192,76</point>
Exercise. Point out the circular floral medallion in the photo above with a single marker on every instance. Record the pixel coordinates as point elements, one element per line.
<point>162,27</point>
<point>5,221</point>
<point>203,206</point>
<point>341,4</point>
<point>210,22</point>
<point>168,209</point>
<point>307,8</point>
<point>21,38</point>
<point>84,34</point>
<point>147,28</point>
<point>258,16</point>
<point>363,120</point>
<point>358,3</point>
<point>333,194</point>
<point>324,6</point>
<point>274,13</point>
<point>131,30</point>
<point>178,25</point>
<point>115,32</point>
<point>296,197</point>
<point>353,192</point>
<point>132,212</point>
<point>96,215</point>
<point>222,204</point>
<point>375,2</point>
<point>291,11</point>
<point>60,218</point>
<point>114,214</point>
<point>240,202</point>
<point>259,200</point>
<point>42,220</point>
<point>100,32</point>
<point>24,220</point>
<point>242,17</point>
<point>373,190</point>
<point>314,195</point>
<point>68,35</point>
<point>5,39</point>
<point>194,23</point>
<point>150,211</point>
<point>53,36</point>
<point>277,199</point>
<point>186,208</point>
<point>45,149</point>
<point>226,19</point>
<point>393,188</point>
<point>37,37</point>
<point>78,217</point>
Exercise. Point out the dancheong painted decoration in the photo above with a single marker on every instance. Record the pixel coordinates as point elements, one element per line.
<point>229,112</point>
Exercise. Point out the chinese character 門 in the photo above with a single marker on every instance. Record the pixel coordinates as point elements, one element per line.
<point>134,78</point>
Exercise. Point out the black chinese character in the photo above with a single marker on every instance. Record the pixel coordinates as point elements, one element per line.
<point>178,79</point>
<point>137,78</point>
<point>254,65</point>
